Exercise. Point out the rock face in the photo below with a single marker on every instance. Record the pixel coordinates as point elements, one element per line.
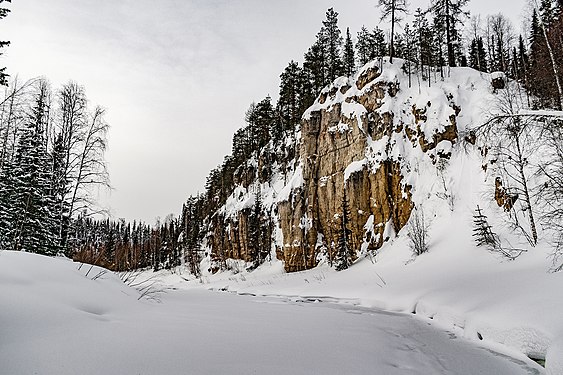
<point>361,141</point>
<point>346,150</point>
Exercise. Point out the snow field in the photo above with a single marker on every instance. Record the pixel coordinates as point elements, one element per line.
<point>55,320</point>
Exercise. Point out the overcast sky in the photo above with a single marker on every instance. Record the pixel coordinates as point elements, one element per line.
<point>175,76</point>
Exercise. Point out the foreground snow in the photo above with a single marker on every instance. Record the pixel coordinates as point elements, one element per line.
<point>54,320</point>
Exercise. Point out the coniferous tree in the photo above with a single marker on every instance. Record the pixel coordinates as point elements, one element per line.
<point>258,234</point>
<point>400,46</point>
<point>364,46</point>
<point>292,97</point>
<point>478,55</point>
<point>546,45</point>
<point>29,212</point>
<point>344,251</point>
<point>370,45</point>
<point>331,38</point>
<point>423,40</point>
<point>379,46</point>
<point>437,46</point>
<point>448,14</point>
<point>314,69</point>
<point>348,57</point>
<point>522,62</point>
<point>392,10</point>
<point>411,51</point>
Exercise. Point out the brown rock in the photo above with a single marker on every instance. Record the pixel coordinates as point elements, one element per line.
<point>367,76</point>
<point>504,199</point>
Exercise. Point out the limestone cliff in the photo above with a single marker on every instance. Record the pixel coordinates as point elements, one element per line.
<point>364,139</point>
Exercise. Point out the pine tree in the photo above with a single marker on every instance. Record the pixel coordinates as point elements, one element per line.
<point>291,103</point>
<point>348,56</point>
<point>379,46</point>
<point>314,69</point>
<point>392,9</point>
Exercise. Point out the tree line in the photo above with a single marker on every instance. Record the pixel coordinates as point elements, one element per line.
<point>51,164</point>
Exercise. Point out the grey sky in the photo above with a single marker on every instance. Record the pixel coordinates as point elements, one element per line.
<point>176,76</point>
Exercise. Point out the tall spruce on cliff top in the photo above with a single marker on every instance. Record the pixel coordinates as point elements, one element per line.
<point>546,53</point>
<point>348,55</point>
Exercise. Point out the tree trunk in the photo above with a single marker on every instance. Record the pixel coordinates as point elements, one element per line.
<point>552,58</point>
<point>391,45</point>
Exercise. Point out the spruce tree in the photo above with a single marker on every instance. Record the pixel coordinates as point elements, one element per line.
<point>378,43</point>
<point>314,69</point>
<point>478,55</point>
<point>32,208</point>
<point>448,14</point>
<point>364,46</point>
<point>331,39</point>
<point>254,233</point>
<point>291,103</point>
<point>348,56</point>
<point>344,250</point>
<point>522,62</point>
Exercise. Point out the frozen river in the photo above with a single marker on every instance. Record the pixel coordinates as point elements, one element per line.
<point>202,332</point>
<point>55,321</point>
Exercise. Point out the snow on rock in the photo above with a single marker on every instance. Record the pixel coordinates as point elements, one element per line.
<point>354,167</point>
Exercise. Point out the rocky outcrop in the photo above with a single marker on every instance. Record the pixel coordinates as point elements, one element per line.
<point>360,141</point>
<point>338,159</point>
